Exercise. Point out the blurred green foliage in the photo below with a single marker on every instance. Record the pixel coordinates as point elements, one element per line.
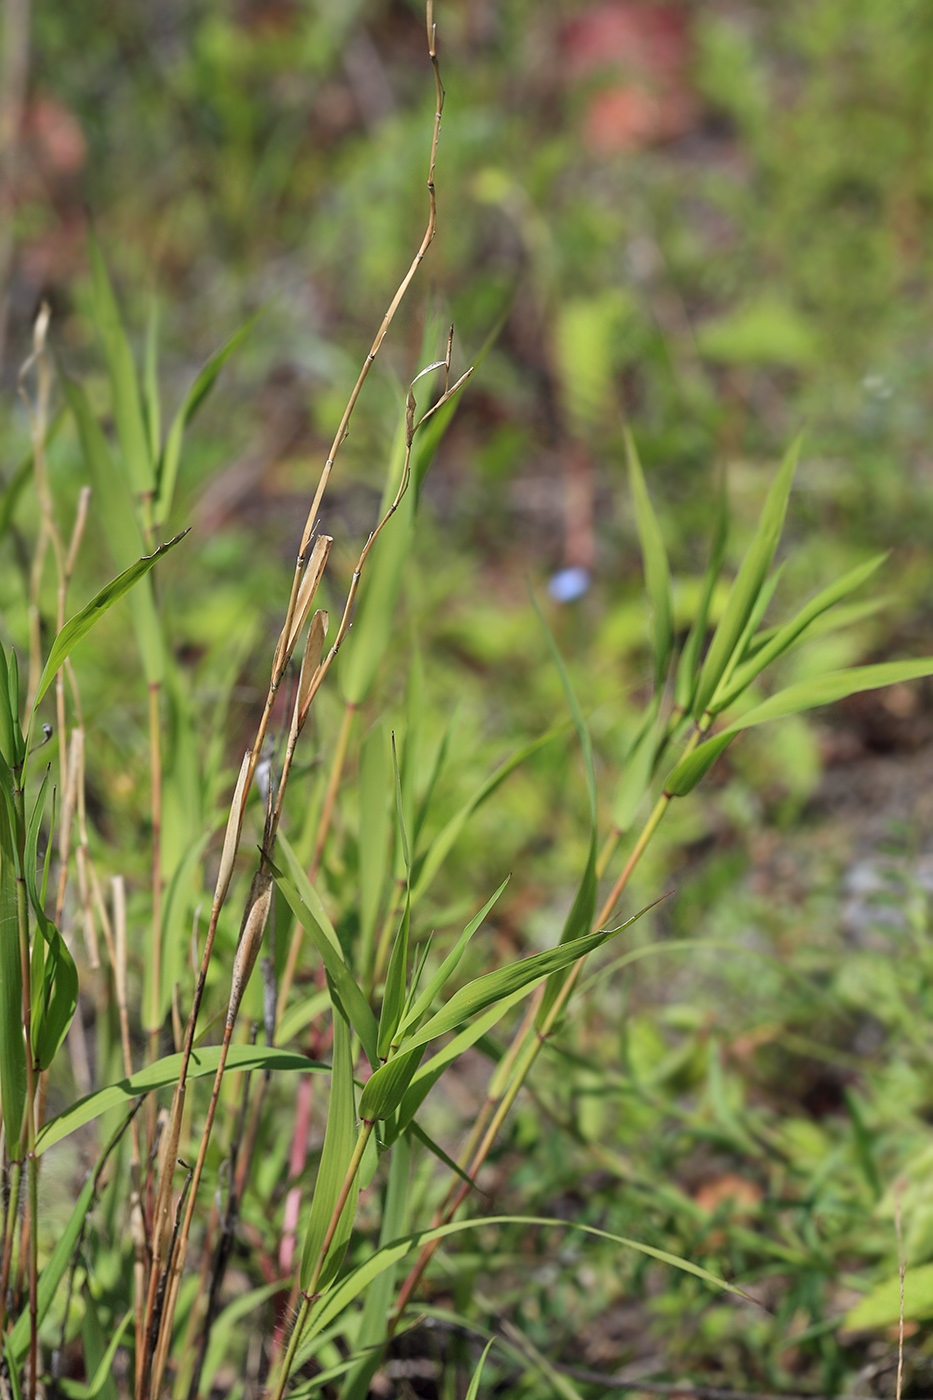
<point>769,266</point>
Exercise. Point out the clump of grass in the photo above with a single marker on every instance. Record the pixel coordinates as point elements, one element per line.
<point>356,981</point>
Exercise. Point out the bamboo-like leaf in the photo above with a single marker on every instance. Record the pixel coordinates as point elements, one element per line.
<point>449,965</point>
<point>831,687</point>
<point>476,1378</point>
<point>127,407</point>
<point>495,986</point>
<point>350,1288</point>
<point>12,1037</point>
<point>440,847</point>
<point>164,1073</point>
<point>794,700</point>
<point>688,666</point>
<point>684,777</point>
<point>54,982</point>
<point>654,559</point>
<point>427,1074</point>
<point>77,627</point>
<point>9,719</point>
<point>784,637</point>
<point>748,583</point>
<point>305,904</point>
<point>171,453</point>
<point>339,1142</point>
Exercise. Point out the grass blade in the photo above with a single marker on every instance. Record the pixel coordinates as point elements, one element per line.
<point>784,637</point>
<point>77,627</point>
<point>164,1073</point>
<point>337,1153</point>
<point>688,667</point>
<point>167,470</point>
<point>127,406</point>
<point>306,905</point>
<point>350,1288</point>
<point>748,583</point>
<point>447,968</point>
<point>12,1038</point>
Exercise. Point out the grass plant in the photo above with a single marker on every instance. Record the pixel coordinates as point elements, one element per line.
<point>217,1240</point>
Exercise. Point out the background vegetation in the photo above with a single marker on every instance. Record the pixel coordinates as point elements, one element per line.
<point>710,223</point>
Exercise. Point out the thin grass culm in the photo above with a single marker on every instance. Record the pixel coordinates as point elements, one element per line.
<point>226,1046</point>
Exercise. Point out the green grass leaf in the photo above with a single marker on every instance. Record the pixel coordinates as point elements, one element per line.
<point>164,1073</point>
<point>167,470</point>
<point>12,1038</point>
<point>794,700</point>
<point>687,678</point>
<point>306,905</point>
<point>495,986</point>
<point>127,405</point>
<point>350,1288</point>
<point>394,993</point>
<point>449,965</point>
<point>77,627</point>
<point>748,583</point>
<point>784,637</point>
<point>339,1142</point>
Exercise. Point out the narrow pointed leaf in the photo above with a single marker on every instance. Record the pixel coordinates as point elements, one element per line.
<point>654,559</point>
<point>350,1288</point>
<point>831,687</point>
<point>113,498</point>
<point>171,455</point>
<point>339,1142</point>
<point>152,405</point>
<point>393,997</point>
<point>306,905</point>
<point>375,825</point>
<point>637,768</point>
<point>78,626</point>
<point>127,406</point>
<point>794,700</point>
<point>688,667</point>
<point>447,968</point>
<point>748,583</point>
<point>470,1000</point>
<point>164,1073</point>
<point>784,637</point>
<point>12,1037</point>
